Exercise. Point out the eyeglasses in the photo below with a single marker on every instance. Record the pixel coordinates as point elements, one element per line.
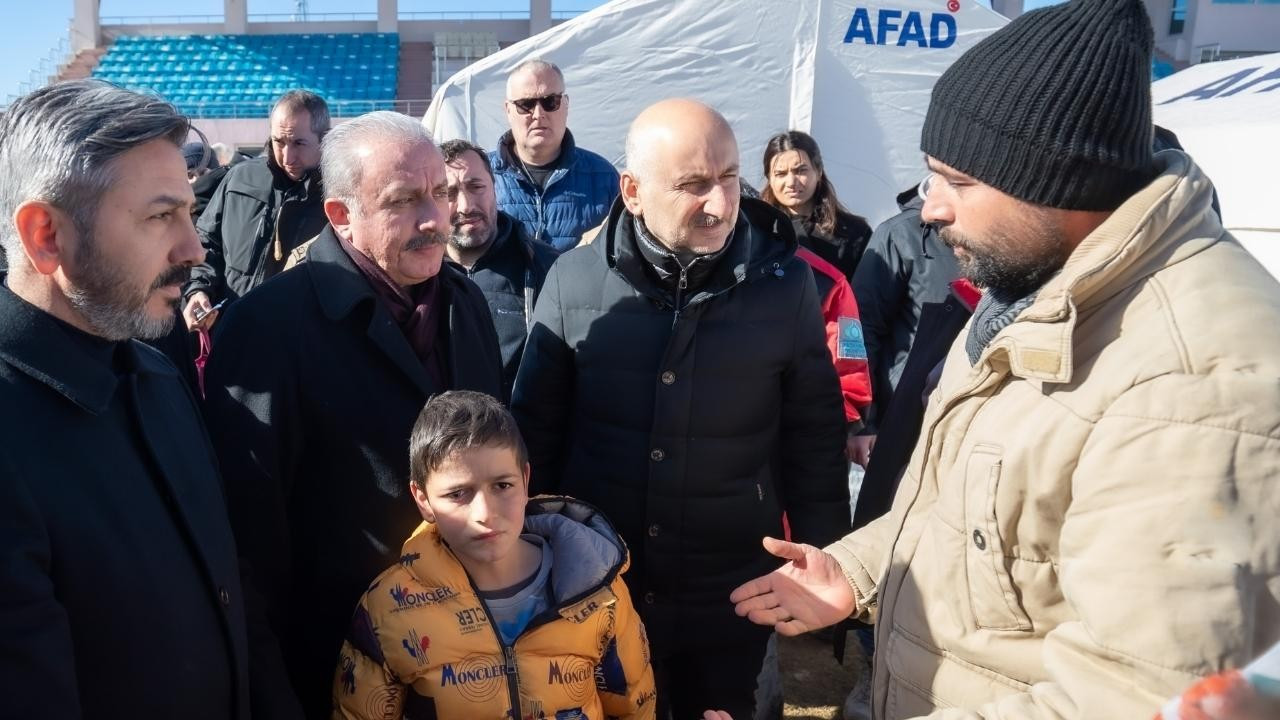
<point>549,103</point>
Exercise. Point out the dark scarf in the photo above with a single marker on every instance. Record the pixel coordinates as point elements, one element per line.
<point>667,265</point>
<point>995,312</point>
<point>416,309</point>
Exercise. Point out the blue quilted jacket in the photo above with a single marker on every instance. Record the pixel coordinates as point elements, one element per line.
<point>576,198</point>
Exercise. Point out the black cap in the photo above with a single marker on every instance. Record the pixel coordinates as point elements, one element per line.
<point>194,152</point>
<point>1054,108</point>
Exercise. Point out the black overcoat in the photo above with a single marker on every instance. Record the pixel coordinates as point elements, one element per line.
<point>312,393</point>
<point>119,588</point>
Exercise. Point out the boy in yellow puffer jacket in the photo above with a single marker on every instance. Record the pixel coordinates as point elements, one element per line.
<point>499,602</point>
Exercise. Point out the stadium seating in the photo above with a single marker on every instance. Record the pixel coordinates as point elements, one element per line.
<point>214,76</point>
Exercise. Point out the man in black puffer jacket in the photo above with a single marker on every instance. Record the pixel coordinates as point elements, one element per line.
<point>507,266</point>
<point>677,376</point>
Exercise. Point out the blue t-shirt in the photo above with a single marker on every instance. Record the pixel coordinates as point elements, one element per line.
<point>513,607</point>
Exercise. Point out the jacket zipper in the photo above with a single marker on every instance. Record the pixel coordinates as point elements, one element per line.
<point>260,272</point>
<point>512,673</point>
<point>509,667</point>
<point>681,286</point>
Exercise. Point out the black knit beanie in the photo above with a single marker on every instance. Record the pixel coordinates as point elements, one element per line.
<point>1054,108</point>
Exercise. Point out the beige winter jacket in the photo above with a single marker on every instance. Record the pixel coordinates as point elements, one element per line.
<point>1091,517</point>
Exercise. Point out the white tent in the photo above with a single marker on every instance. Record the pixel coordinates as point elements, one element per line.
<point>1227,116</point>
<point>856,75</point>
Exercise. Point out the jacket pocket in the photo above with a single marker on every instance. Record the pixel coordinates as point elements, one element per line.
<point>992,598</point>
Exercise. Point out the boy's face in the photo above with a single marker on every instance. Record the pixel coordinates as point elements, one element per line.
<point>477,500</point>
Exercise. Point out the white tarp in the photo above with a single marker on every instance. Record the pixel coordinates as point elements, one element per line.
<point>856,75</point>
<point>1227,116</point>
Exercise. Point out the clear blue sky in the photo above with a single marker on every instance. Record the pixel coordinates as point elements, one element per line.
<point>34,27</point>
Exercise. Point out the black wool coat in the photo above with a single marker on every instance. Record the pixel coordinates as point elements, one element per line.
<point>694,431</point>
<point>312,393</point>
<point>119,587</point>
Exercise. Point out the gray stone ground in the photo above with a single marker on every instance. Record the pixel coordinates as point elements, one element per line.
<point>813,686</point>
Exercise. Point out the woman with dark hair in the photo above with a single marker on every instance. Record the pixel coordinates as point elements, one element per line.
<point>797,185</point>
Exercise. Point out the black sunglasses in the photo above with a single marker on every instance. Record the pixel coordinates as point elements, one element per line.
<point>549,103</point>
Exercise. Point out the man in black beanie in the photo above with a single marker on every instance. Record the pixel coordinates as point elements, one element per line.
<point>1088,522</point>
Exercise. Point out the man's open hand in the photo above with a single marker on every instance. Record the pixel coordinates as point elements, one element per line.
<point>807,593</point>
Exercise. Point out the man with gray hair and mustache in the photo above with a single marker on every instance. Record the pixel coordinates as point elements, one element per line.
<point>119,586</point>
<point>677,376</point>
<point>316,380</point>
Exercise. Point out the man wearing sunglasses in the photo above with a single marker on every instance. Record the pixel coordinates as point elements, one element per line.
<point>554,189</point>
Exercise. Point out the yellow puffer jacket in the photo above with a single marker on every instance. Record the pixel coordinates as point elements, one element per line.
<point>422,644</point>
<point>1090,519</point>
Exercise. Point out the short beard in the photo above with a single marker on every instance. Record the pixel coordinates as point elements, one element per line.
<point>110,303</point>
<point>462,241</point>
<point>1042,251</point>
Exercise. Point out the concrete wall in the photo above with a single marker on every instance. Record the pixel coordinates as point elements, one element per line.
<point>236,133</point>
<point>1161,12</point>
<point>507,31</point>
<point>1243,28</point>
<point>1253,27</point>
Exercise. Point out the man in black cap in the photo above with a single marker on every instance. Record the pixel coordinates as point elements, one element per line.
<point>205,174</point>
<point>1089,519</point>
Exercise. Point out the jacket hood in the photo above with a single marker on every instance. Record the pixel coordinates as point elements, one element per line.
<point>910,199</point>
<point>587,553</point>
<point>1164,223</point>
<point>763,242</point>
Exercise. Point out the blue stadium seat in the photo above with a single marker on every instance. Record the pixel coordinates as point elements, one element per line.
<point>241,75</point>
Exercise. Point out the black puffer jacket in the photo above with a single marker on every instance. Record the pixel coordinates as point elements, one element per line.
<point>906,267</point>
<point>256,211</point>
<point>693,430</point>
<point>510,274</point>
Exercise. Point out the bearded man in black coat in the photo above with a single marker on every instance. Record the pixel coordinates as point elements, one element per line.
<point>316,379</point>
<point>677,376</point>
<point>119,588</point>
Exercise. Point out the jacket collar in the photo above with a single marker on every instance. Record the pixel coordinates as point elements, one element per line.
<point>588,553</point>
<point>1166,222</point>
<point>506,238</point>
<point>280,179</point>
<point>341,289</point>
<point>763,242</point>
<point>507,154</point>
<point>33,342</point>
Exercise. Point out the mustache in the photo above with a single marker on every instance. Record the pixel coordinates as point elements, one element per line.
<point>424,240</point>
<point>176,275</point>
<point>951,239</point>
<point>707,220</point>
<point>460,218</point>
